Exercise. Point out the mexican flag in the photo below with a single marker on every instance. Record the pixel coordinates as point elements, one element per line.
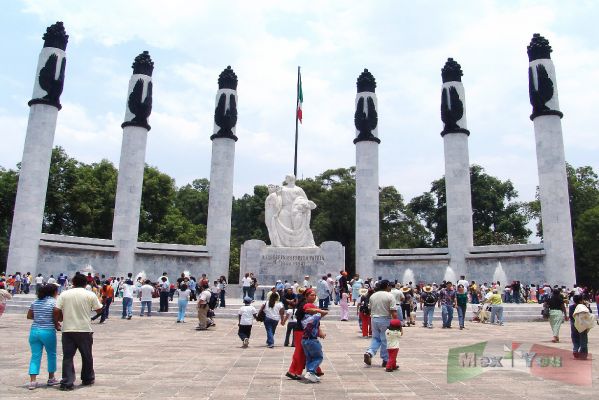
<point>300,97</point>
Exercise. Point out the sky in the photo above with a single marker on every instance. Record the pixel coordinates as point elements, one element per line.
<point>404,44</point>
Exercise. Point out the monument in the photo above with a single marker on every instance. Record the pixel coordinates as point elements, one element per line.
<point>292,253</point>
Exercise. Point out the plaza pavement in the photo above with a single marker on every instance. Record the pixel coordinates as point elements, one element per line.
<point>156,358</point>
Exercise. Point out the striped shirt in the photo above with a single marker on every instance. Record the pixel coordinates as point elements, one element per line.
<point>42,313</point>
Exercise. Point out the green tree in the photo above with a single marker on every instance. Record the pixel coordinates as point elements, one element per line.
<point>399,227</point>
<point>496,218</point>
<point>58,213</point>
<point>8,190</point>
<point>586,249</point>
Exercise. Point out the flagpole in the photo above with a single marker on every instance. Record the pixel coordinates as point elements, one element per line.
<point>296,106</point>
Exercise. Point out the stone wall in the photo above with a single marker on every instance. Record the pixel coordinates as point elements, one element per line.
<point>69,254</point>
<point>525,263</point>
<point>290,263</point>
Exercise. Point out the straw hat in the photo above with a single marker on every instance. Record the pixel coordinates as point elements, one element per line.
<point>428,288</point>
<point>363,291</point>
<point>405,289</point>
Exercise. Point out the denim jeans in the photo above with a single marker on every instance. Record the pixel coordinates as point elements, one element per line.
<point>145,304</point>
<point>127,307</point>
<point>222,298</point>
<point>182,308</point>
<point>461,315</point>
<point>497,311</point>
<point>379,326</point>
<point>429,312</point>
<point>447,315</point>
<point>38,339</point>
<point>313,351</point>
<point>579,340</point>
<point>271,326</point>
<point>323,304</point>
<point>474,298</point>
<point>246,291</point>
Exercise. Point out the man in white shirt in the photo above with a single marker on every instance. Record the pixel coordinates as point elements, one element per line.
<point>307,283</point>
<point>145,295</point>
<point>72,309</point>
<point>128,290</point>
<point>382,310</point>
<point>246,282</point>
<point>463,282</point>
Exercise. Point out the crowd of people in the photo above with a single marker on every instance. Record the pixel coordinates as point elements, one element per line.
<point>383,309</point>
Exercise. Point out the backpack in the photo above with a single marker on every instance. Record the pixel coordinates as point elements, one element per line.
<point>430,299</point>
<point>364,306</point>
<point>213,300</point>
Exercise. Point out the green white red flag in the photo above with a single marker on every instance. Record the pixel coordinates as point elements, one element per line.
<point>300,97</point>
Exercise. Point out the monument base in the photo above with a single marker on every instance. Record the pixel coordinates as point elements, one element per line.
<point>270,264</point>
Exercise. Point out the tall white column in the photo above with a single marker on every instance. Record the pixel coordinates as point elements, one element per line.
<point>551,163</point>
<point>37,152</point>
<point>457,166</point>
<point>367,175</point>
<point>220,201</point>
<point>125,227</point>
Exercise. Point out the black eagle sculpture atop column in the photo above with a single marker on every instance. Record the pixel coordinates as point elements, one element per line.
<point>139,106</point>
<point>57,39</point>
<point>543,91</point>
<point>225,117</point>
<point>452,107</point>
<point>366,121</point>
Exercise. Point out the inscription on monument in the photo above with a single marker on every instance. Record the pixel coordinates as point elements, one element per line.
<point>295,260</point>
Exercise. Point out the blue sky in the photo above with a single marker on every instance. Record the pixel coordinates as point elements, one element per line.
<point>403,43</point>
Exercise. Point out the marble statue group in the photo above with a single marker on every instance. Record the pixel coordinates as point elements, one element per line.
<point>287,213</point>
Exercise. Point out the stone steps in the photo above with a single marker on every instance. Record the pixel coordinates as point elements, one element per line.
<point>511,312</point>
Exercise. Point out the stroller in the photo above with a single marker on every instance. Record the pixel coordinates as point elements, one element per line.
<point>481,313</point>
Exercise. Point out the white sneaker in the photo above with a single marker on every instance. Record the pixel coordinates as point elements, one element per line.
<point>309,376</point>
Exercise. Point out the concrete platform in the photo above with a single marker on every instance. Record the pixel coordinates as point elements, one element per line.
<point>156,358</point>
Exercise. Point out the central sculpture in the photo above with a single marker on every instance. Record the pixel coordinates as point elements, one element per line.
<point>287,213</point>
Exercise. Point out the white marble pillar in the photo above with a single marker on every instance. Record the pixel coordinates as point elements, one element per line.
<point>551,163</point>
<point>125,227</point>
<point>457,166</point>
<point>367,175</point>
<point>37,152</point>
<point>220,201</point>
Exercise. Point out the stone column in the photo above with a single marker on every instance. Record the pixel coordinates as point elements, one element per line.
<point>127,206</point>
<point>37,152</point>
<point>457,166</point>
<point>367,175</point>
<point>553,182</point>
<point>218,235</point>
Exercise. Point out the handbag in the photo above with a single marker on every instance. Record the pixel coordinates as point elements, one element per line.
<point>261,314</point>
<point>545,311</point>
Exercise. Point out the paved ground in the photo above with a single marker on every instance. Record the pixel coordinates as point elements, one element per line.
<point>156,358</point>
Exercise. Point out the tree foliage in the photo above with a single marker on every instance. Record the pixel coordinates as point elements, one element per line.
<point>496,218</point>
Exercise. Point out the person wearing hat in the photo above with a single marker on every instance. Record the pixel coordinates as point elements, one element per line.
<point>382,311</point>
<point>428,299</point>
<point>246,314</point>
<point>496,306</point>
<point>393,333</point>
<point>307,284</point>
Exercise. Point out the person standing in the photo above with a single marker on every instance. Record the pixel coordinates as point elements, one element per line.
<point>581,322</point>
<point>183,295</point>
<point>164,288</point>
<point>382,310</point>
<point>72,309</point>
<point>43,334</point>
<point>145,295</point>
<point>428,300</point>
<point>496,306</point>
<point>128,290</point>
<point>203,300</point>
<point>39,282</point>
<point>447,302</point>
<point>107,296</point>
<point>246,281</point>
<point>4,297</point>
<point>222,286</point>
<point>462,302</point>
<point>344,305</point>
<point>323,293</point>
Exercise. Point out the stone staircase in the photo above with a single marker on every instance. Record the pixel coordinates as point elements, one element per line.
<point>511,312</point>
